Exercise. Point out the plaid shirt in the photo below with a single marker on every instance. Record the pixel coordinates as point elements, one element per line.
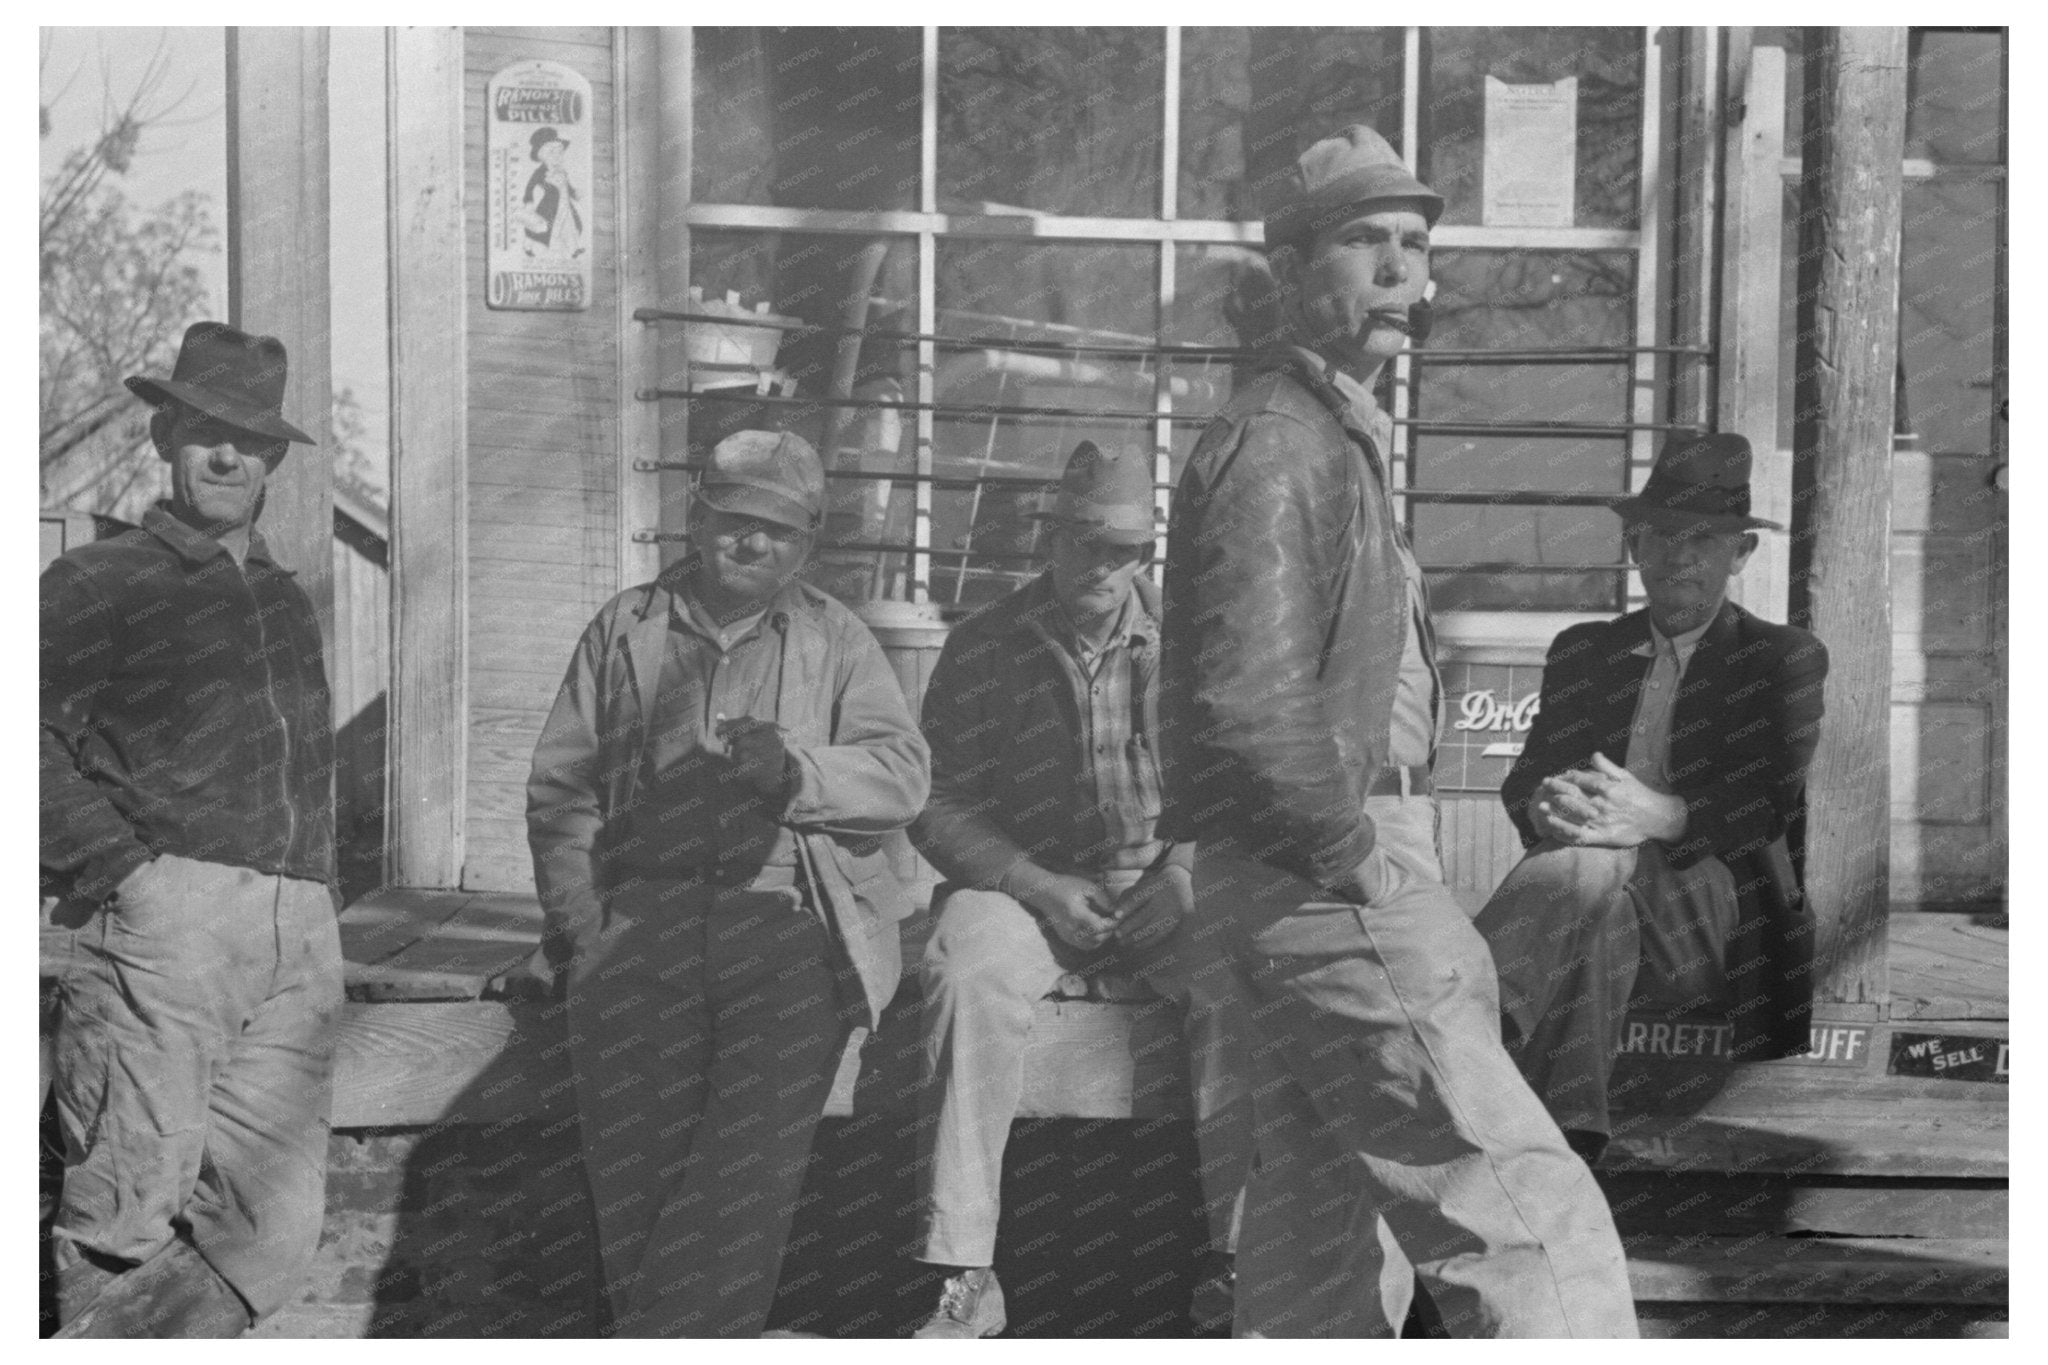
<point>1038,753</point>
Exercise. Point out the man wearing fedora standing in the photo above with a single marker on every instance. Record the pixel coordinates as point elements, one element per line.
<point>187,832</point>
<point>1655,795</point>
<point>1042,715</point>
<point>711,811</point>
<point>1302,706</point>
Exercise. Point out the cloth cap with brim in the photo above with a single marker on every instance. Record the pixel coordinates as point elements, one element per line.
<point>1105,497</point>
<point>774,475</point>
<point>1338,176</point>
<point>230,376</point>
<point>1699,482</point>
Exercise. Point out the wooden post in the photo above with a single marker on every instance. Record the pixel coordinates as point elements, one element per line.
<point>1852,146</point>
<point>277,276</point>
<point>675,61</point>
<point>429,459</point>
<point>1748,360</point>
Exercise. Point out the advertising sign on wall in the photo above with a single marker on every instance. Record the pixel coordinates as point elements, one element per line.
<point>538,187</point>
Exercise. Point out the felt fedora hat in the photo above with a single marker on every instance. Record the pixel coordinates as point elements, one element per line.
<point>774,475</point>
<point>230,376</point>
<point>1337,176</point>
<point>1105,497</point>
<point>1698,480</point>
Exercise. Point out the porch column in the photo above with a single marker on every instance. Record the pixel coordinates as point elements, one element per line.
<point>277,275</point>
<point>1852,144</point>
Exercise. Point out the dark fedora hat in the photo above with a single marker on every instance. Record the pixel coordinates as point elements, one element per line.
<point>1342,173</point>
<point>1105,497</point>
<point>1699,480</point>
<point>230,376</point>
<point>541,138</point>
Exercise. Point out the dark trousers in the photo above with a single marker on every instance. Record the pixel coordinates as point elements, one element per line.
<point>705,1032</point>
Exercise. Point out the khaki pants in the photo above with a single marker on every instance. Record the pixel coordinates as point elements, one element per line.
<point>986,966</point>
<point>1391,1123</point>
<point>194,1072</point>
<point>1578,934</point>
<point>705,1030</point>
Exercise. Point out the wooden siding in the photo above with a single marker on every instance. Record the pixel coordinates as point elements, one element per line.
<point>542,482</point>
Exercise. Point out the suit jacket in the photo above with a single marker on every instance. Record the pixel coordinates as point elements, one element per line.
<point>863,769</point>
<point>1743,730</point>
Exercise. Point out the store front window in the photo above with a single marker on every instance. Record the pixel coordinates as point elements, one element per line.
<point>975,248</point>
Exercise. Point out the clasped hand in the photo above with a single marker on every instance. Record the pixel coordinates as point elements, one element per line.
<point>1604,806</point>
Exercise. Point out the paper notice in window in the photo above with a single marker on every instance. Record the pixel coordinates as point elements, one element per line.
<point>1532,134</point>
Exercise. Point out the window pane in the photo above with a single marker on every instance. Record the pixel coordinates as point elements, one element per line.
<point>807,117</point>
<point>1609,65</point>
<point>1524,300</point>
<point>1953,96</point>
<point>1034,291</point>
<point>1058,120</point>
<point>832,281</point>
<point>1223,296</point>
<point>1252,98</point>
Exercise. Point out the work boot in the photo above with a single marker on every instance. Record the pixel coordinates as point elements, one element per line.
<point>174,1293</point>
<point>1215,1298</point>
<point>971,1307</point>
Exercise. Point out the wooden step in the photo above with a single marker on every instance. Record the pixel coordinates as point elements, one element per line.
<point>1694,1268</point>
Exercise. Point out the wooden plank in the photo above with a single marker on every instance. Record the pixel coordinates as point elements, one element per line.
<point>1739,1205</point>
<point>277,215</point>
<point>1885,1270</point>
<point>636,135</point>
<point>429,524</point>
<point>1853,139</point>
<point>1829,1322</point>
<point>1949,966</point>
<point>402,1065</point>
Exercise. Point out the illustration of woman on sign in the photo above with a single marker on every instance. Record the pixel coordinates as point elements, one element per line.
<point>553,220</point>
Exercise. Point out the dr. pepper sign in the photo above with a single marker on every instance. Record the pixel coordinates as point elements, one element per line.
<point>538,208</point>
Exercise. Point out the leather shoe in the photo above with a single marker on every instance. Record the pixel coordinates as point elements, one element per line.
<point>971,1307</point>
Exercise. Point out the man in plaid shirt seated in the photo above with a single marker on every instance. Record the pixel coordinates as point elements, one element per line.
<point>1042,715</point>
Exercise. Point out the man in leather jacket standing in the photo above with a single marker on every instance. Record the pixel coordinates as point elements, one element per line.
<point>1300,721</point>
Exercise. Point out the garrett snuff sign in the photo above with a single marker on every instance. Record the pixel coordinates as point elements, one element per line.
<point>538,188</point>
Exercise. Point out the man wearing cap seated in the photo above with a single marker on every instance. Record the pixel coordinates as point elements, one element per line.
<point>1043,719</point>
<point>1654,795</point>
<point>1302,707</point>
<point>711,809</point>
<point>188,834</point>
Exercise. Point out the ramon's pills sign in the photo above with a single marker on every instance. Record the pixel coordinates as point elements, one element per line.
<point>538,187</point>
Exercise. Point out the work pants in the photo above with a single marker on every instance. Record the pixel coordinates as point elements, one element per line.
<point>1383,1095</point>
<point>194,1072</point>
<point>987,964</point>
<point>705,1029</point>
<point>1580,933</point>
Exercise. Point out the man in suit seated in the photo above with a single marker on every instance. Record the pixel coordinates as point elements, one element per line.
<point>1654,795</point>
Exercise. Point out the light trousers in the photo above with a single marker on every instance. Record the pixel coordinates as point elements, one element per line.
<point>194,1072</point>
<point>987,964</point>
<point>1391,1124</point>
<point>1581,933</point>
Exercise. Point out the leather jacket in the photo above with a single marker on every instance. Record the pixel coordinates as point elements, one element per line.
<point>1286,610</point>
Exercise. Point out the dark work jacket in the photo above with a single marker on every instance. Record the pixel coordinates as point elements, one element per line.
<point>1743,730</point>
<point>184,710</point>
<point>1286,611</point>
<point>1010,779</point>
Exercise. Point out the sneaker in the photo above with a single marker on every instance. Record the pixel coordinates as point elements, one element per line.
<point>971,1307</point>
<point>1215,1297</point>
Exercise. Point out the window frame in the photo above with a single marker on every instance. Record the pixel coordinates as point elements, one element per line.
<point>1168,231</point>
